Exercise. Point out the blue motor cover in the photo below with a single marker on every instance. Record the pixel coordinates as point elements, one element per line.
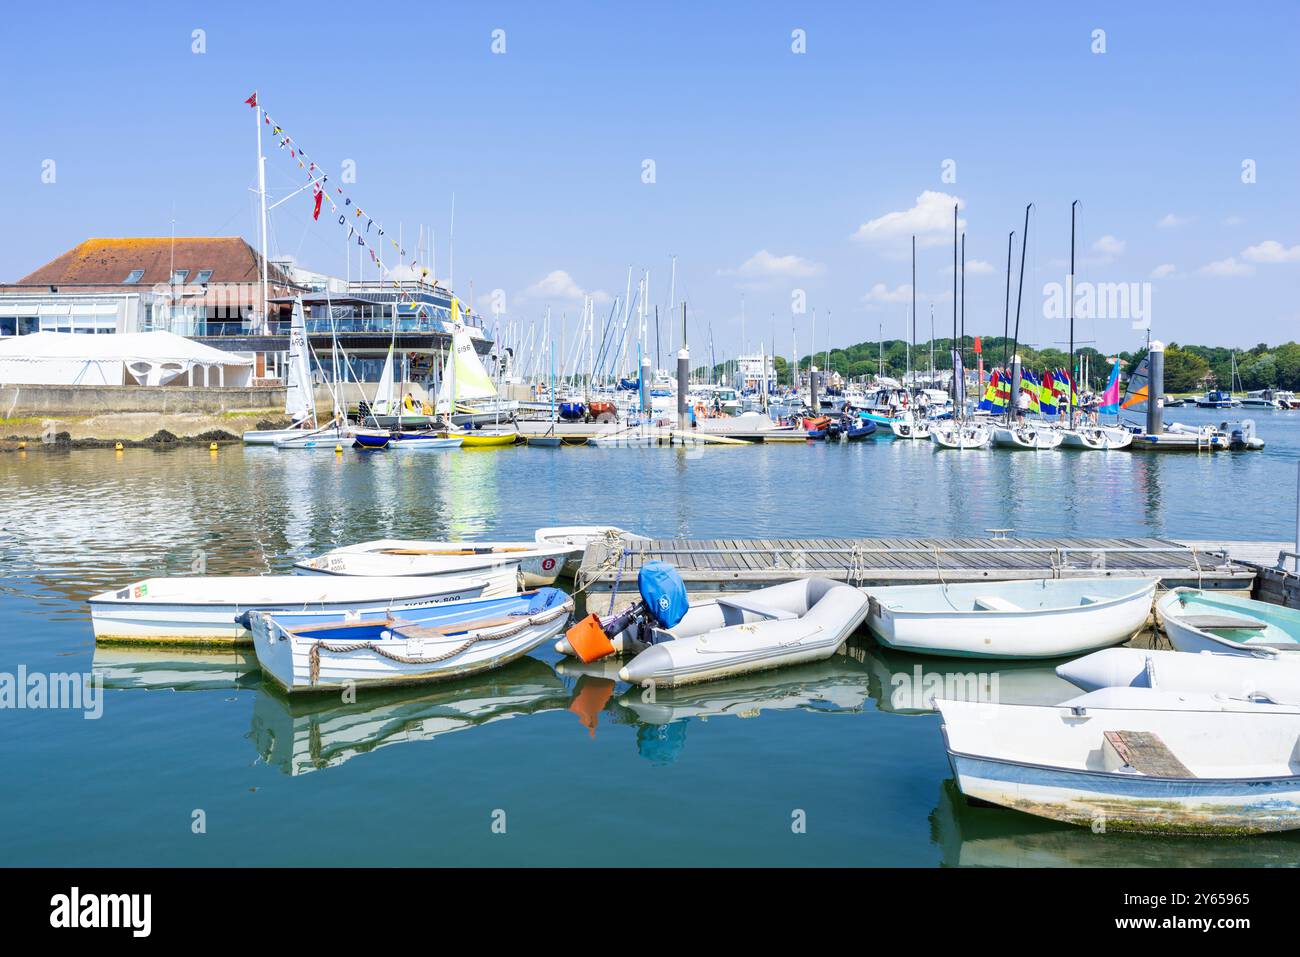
<point>663,592</point>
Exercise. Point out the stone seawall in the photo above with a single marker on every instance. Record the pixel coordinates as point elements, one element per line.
<point>23,401</point>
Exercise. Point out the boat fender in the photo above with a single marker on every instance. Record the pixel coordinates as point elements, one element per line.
<point>245,620</point>
<point>588,639</point>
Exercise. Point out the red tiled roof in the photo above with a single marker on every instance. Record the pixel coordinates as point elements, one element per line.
<point>100,262</point>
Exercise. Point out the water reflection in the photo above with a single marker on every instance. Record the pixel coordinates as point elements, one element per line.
<point>171,669</point>
<point>903,683</point>
<point>298,735</point>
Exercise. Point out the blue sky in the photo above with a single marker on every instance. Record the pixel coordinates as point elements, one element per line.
<point>774,170</point>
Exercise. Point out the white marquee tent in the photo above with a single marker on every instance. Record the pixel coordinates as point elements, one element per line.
<point>125,358</point>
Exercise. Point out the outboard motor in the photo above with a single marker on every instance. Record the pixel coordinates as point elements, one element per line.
<point>663,604</point>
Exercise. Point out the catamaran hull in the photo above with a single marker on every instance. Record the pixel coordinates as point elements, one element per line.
<point>961,438</point>
<point>1026,439</point>
<point>271,436</point>
<point>1096,440</point>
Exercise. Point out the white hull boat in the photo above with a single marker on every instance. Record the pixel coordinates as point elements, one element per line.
<point>1133,759</point>
<point>1196,620</point>
<point>1026,438</point>
<point>537,564</point>
<point>205,608</point>
<point>1037,618</point>
<point>271,436</point>
<point>1096,439</point>
<point>579,537</point>
<point>907,426</point>
<point>430,646</point>
<point>323,439</point>
<point>1272,680</point>
<point>955,435</point>
<point>423,444</point>
<point>792,623</point>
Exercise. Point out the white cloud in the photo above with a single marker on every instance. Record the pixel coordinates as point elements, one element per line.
<point>882,293</point>
<point>978,267</point>
<point>765,265</point>
<point>1109,246</point>
<point>1271,251</point>
<point>558,284</point>
<point>930,220</point>
<point>1226,268</point>
<point>1233,221</point>
<point>1173,220</point>
<point>1164,271</point>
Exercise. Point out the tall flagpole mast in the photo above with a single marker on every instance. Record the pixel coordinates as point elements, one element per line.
<point>261,193</point>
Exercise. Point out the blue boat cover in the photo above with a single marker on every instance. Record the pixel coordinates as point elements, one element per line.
<point>664,592</point>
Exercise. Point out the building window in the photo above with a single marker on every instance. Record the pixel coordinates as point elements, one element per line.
<point>203,276</point>
<point>134,276</point>
<point>178,276</point>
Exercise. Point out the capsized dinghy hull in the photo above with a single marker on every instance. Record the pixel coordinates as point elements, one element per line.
<point>1160,764</point>
<point>432,645</point>
<point>786,624</point>
<point>579,537</point>
<point>1037,618</point>
<point>207,608</point>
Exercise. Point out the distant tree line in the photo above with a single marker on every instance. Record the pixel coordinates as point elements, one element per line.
<point>1188,368</point>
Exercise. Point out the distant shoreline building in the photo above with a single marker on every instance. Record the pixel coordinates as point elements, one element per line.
<point>209,289</point>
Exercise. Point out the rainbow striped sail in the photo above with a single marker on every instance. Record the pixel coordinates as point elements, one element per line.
<point>1110,397</point>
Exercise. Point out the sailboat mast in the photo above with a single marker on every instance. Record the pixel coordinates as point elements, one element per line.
<point>1070,292</point>
<point>1015,347</point>
<point>261,198</point>
<point>954,305</point>
<point>1006,303</point>
<point>908,369</point>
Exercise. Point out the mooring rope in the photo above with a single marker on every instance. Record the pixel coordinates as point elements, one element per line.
<point>541,618</point>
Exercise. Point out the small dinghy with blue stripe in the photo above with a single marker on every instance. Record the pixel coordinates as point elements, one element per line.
<point>677,643</point>
<point>324,651</point>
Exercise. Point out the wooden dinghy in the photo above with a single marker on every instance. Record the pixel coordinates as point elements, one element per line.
<point>1259,679</point>
<point>209,608</point>
<point>1196,620</point>
<point>1036,618</point>
<point>323,652</point>
<point>537,564</point>
<point>1133,759</point>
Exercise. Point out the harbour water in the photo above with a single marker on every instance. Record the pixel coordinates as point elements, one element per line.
<point>833,764</point>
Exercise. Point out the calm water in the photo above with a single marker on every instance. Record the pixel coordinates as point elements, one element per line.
<point>585,771</point>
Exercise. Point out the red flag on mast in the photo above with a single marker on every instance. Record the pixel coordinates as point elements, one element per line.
<point>319,196</point>
<point>252,100</point>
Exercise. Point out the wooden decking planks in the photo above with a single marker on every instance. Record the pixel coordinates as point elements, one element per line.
<point>752,563</point>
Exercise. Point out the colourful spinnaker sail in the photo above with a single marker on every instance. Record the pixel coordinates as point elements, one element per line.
<point>1110,397</point>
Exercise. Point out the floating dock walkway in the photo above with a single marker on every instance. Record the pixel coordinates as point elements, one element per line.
<point>715,565</point>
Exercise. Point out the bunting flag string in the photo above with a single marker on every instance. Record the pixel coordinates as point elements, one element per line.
<point>321,193</point>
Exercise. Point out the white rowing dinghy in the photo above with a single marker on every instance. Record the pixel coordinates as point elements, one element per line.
<point>433,644</point>
<point>1037,618</point>
<point>537,564</point>
<point>205,608</point>
<point>579,537</point>
<point>786,624</point>
<point>1133,759</point>
<point>1197,620</point>
<point>1272,679</point>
